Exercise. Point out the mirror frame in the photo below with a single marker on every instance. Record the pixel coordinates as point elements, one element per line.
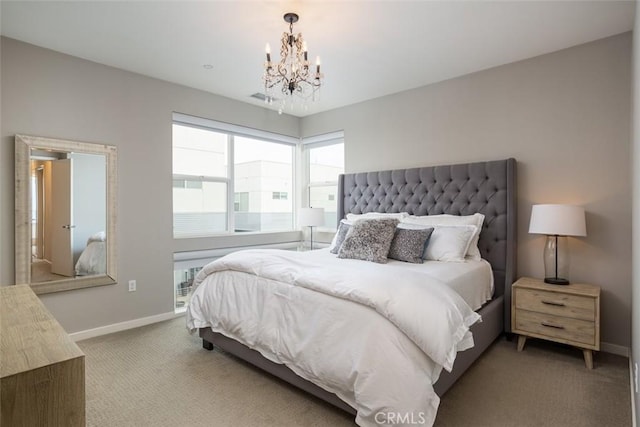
<point>24,144</point>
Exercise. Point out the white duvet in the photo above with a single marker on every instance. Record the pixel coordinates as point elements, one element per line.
<point>93,259</point>
<point>375,336</point>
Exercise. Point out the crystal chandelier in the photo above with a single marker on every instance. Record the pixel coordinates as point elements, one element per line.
<point>292,75</point>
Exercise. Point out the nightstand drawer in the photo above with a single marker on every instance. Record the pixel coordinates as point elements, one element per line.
<point>556,327</point>
<point>559,304</point>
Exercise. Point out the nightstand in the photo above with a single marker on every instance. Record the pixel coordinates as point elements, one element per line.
<point>566,314</point>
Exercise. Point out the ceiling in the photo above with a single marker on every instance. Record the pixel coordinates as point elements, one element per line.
<point>368,48</point>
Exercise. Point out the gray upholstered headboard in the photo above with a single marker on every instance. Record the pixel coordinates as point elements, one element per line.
<point>463,189</point>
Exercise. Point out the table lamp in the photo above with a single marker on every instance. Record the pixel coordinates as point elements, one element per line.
<point>557,222</point>
<point>311,217</point>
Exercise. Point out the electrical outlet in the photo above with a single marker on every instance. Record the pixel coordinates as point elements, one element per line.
<point>132,285</point>
<point>635,375</point>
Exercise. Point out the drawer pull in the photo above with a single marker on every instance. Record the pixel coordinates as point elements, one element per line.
<point>548,325</point>
<point>557,304</point>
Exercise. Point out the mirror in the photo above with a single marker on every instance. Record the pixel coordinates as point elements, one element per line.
<point>65,193</point>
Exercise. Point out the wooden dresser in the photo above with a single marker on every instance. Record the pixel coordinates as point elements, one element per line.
<point>41,368</point>
<point>568,314</point>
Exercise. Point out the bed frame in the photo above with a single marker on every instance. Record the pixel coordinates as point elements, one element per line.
<point>462,189</point>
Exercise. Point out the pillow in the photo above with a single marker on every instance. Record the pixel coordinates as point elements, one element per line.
<point>376,215</point>
<point>450,242</point>
<point>338,239</point>
<point>433,220</point>
<point>407,226</point>
<point>409,244</point>
<point>100,236</point>
<point>369,240</point>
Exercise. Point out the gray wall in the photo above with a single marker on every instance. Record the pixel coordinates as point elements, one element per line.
<point>564,116</point>
<point>49,94</point>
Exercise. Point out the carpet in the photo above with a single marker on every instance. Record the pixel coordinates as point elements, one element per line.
<point>159,375</point>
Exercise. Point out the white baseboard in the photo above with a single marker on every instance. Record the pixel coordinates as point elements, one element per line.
<point>123,326</point>
<point>619,350</point>
<point>632,388</point>
<point>606,347</point>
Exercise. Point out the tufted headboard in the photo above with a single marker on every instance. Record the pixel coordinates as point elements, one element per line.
<point>462,189</point>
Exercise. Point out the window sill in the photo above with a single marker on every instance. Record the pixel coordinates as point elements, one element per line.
<point>230,240</point>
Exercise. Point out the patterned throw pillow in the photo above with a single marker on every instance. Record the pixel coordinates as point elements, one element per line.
<point>340,236</point>
<point>369,240</point>
<point>409,245</point>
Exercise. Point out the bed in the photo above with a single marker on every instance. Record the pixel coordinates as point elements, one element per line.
<point>93,259</point>
<point>463,190</point>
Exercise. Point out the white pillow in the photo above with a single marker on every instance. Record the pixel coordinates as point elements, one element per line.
<point>450,242</point>
<point>435,220</point>
<point>377,215</point>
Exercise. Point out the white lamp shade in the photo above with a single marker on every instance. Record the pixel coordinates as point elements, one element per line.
<point>311,217</point>
<point>561,220</point>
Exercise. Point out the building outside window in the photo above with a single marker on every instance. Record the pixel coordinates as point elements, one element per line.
<point>325,160</point>
<point>263,169</point>
<point>210,163</point>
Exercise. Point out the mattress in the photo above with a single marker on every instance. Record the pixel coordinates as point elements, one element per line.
<point>472,280</point>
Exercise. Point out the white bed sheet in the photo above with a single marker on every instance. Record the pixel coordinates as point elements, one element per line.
<point>471,279</point>
<point>347,348</point>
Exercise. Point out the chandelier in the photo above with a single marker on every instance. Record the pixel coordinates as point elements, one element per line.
<point>292,75</point>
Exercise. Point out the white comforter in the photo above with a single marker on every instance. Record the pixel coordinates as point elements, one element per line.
<point>93,259</point>
<point>376,338</point>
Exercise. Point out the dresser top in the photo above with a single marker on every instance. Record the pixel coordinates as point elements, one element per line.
<point>30,337</point>
<point>573,288</point>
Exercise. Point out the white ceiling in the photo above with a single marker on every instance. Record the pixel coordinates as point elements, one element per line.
<point>368,48</point>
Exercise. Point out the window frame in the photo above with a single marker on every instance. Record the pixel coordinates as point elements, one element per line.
<point>232,131</point>
<point>319,141</point>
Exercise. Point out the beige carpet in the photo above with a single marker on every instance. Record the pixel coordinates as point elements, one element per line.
<point>159,375</point>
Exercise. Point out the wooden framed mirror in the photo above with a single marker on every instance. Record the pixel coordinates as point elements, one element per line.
<point>65,214</point>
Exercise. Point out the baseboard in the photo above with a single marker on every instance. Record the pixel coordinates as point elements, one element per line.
<point>606,347</point>
<point>123,326</point>
<point>619,350</point>
<point>632,388</point>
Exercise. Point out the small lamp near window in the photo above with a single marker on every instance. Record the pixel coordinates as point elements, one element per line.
<point>557,222</point>
<point>311,217</point>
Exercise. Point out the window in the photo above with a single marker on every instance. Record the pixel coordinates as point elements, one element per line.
<point>241,202</point>
<point>325,161</point>
<point>182,183</point>
<point>279,195</point>
<point>230,179</point>
<point>183,284</point>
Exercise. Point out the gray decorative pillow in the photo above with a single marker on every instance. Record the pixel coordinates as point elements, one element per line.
<point>340,236</point>
<point>409,245</point>
<point>369,240</point>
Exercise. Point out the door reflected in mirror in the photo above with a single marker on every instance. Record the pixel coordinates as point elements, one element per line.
<point>68,215</point>
<point>65,214</point>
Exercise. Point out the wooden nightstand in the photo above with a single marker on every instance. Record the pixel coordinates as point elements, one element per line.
<point>565,314</point>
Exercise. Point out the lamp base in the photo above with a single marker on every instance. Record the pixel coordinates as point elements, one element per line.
<point>556,281</point>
